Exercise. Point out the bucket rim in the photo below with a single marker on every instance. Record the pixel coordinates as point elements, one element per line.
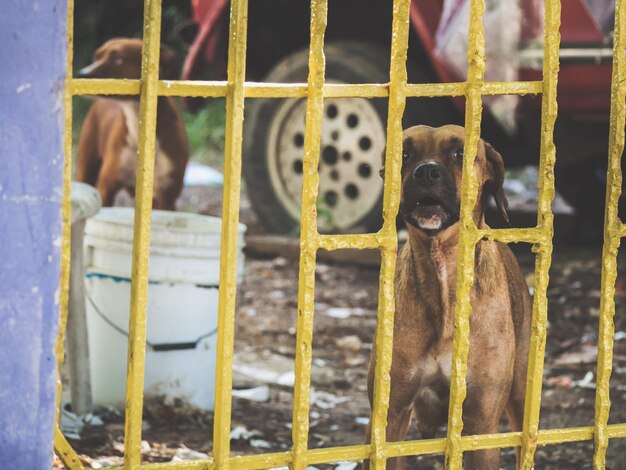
<point>124,217</point>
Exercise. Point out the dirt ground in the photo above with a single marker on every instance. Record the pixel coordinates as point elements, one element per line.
<point>345,320</point>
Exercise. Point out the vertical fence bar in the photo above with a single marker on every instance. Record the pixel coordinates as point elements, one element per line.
<point>612,229</point>
<point>141,236</point>
<point>64,451</point>
<point>545,222</point>
<point>66,208</point>
<point>391,202</point>
<point>468,234</point>
<point>309,235</point>
<point>61,446</point>
<point>230,227</point>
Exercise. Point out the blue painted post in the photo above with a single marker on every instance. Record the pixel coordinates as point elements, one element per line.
<point>33,55</point>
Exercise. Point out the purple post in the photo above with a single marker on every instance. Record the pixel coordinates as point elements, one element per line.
<point>33,56</point>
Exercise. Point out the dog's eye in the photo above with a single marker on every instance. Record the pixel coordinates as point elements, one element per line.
<point>405,155</point>
<point>458,154</point>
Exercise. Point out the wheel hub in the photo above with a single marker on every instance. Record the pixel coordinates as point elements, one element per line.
<point>353,138</point>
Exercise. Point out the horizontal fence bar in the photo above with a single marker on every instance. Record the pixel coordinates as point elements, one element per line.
<point>616,430</point>
<point>215,89</point>
<point>546,437</point>
<point>459,88</point>
<point>358,242</point>
<point>253,462</point>
<point>532,235</point>
<point>188,465</point>
<point>337,454</point>
<point>208,89</point>
<point>491,441</point>
<point>511,88</point>
<point>103,86</point>
<point>406,448</point>
<point>416,90</point>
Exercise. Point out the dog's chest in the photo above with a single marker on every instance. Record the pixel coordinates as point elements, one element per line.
<point>435,367</point>
<point>163,167</point>
<point>433,383</point>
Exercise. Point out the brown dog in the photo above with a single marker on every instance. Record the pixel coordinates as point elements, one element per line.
<point>425,288</point>
<point>107,147</point>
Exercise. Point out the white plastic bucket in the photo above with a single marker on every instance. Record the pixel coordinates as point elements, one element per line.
<point>182,304</point>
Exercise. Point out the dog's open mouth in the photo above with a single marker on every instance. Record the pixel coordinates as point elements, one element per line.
<point>428,214</point>
<point>428,202</point>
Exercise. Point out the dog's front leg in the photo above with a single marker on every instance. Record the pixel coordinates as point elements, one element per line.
<point>483,418</point>
<point>397,426</point>
<point>482,460</point>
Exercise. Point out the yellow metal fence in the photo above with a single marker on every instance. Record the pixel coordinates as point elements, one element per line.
<point>235,89</point>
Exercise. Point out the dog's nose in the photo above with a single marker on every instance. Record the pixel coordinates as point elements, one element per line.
<point>427,172</point>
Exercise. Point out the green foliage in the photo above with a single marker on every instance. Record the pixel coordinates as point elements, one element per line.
<point>205,131</point>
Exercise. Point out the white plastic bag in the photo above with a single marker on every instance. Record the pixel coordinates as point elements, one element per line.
<point>502,24</point>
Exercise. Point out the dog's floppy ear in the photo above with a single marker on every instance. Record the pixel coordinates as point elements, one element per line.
<point>168,65</point>
<point>495,179</point>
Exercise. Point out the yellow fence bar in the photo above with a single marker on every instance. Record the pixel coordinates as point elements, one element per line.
<point>65,452</point>
<point>235,89</point>
<point>215,89</point>
<point>467,236</point>
<point>533,235</point>
<point>104,86</point>
<point>230,220</point>
<point>559,436</point>
<point>275,460</point>
<point>189,465</point>
<point>612,238</point>
<point>616,430</point>
<point>308,235</point>
<point>336,454</point>
<point>545,222</point>
<point>391,202</point>
<point>66,211</point>
<point>360,242</point>
<point>394,449</point>
<point>141,235</point>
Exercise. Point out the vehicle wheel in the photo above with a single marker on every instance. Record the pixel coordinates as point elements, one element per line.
<point>353,139</point>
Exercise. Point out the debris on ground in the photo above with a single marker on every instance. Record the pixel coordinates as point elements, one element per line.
<point>346,298</point>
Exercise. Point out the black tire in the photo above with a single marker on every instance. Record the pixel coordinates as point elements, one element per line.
<point>347,62</point>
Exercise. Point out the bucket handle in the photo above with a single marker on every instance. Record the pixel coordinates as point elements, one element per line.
<point>154,347</point>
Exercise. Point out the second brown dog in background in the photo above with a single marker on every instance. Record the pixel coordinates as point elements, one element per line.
<point>107,146</point>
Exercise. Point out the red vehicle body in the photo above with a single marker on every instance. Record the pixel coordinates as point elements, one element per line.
<point>279,28</point>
